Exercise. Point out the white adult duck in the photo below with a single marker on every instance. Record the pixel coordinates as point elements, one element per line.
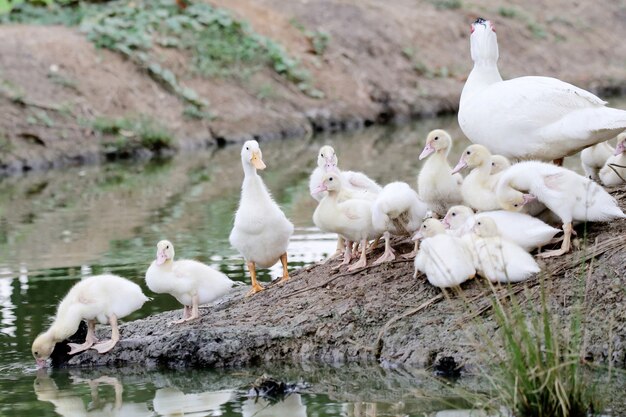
<point>398,211</point>
<point>568,195</point>
<point>498,259</point>
<point>351,219</point>
<point>191,282</point>
<point>446,260</point>
<point>478,188</point>
<point>614,170</point>
<point>524,230</point>
<point>436,186</point>
<point>102,298</point>
<point>529,117</point>
<point>355,184</point>
<point>261,231</point>
<point>593,158</point>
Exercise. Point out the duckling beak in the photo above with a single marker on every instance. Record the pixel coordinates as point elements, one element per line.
<point>161,257</point>
<point>428,149</point>
<point>320,188</point>
<point>462,164</point>
<point>417,236</point>
<point>256,161</point>
<point>529,198</point>
<point>41,363</point>
<point>445,222</point>
<point>620,148</point>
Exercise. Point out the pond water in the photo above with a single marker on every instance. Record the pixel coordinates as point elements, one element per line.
<point>58,226</point>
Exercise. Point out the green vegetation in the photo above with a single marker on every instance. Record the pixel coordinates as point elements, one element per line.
<point>509,12</point>
<point>132,134</point>
<point>319,39</point>
<point>5,144</point>
<point>537,30</point>
<point>540,371</point>
<point>447,4</point>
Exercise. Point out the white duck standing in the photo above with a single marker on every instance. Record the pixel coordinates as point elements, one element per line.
<point>529,117</point>
<point>102,298</point>
<point>478,188</point>
<point>355,184</point>
<point>593,158</point>
<point>261,231</point>
<point>498,259</point>
<point>446,260</point>
<point>435,185</point>
<point>398,211</point>
<point>191,282</point>
<point>568,195</point>
<point>526,231</point>
<point>614,170</point>
<point>351,219</point>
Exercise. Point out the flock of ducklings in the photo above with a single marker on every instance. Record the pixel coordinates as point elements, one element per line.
<point>489,219</point>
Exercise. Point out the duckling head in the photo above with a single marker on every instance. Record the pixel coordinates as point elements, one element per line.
<point>437,140</point>
<point>42,348</point>
<point>456,217</point>
<point>331,183</point>
<point>165,252</point>
<point>621,144</point>
<point>513,200</point>
<point>499,163</point>
<point>486,227</point>
<point>251,154</point>
<point>429,228</point>
<point>326,159</point>
<point>472,157</point>
<point>483,42</point>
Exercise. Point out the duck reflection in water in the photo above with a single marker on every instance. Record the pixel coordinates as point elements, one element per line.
<point>291,406</point>
<point>171,401</point>
<point>70,403</point>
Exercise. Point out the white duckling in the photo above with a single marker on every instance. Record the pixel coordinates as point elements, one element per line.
<point>261,231</point>
<point>191,282</point>
<point>398,211</point>
<point>614,170</point>
<point>355,184</point>
<point>102,298</point>
<point>568,195</point>
<point>529,117</point>
<point>446,260</point>
<point>351,219</point>
<point>435,185</point>
<point>526,231</point>
<point>498,259</point>
<point>478,188</point>
<point>499,163</point>
<point>594,157</point>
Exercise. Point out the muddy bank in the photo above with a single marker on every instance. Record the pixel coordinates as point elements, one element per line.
<point>382,63</point>
<point>383,314</point>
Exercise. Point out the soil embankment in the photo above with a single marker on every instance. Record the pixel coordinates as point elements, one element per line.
<point>384,314</point>
<point>381,62</point>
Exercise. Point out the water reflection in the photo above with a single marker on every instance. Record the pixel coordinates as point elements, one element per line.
<point>291,406</point>
<point>173,402</point>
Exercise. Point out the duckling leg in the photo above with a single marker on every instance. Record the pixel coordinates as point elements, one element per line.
<point>565,246</point>
<point>341,243</point>
<point>190,313</point>
<point>363,259</point>
<point>389,254</point>
<point>413,253</point>
<point>256,287</point>
<point>283,260</point>
<point>104,347</point>
<point>90,339</point>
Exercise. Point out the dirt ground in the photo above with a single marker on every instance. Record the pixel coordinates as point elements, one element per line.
<point>384,314</point>
<point>383,63</point>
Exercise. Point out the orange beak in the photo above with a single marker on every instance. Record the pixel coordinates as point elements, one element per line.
<point>256,161</point>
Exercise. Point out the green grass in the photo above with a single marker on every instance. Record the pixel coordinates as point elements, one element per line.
<point>447,4</point>
<point>132,134</point>
<point>540,371</point>
<point>5,144</point>
<point>508,12</point>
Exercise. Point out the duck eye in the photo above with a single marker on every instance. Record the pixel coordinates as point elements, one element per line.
<point>36,353</point>
<point>515,205</point>
<point>479,223</point>
<point>453,214</point>
<point>330,179</point>
<point>436,137</point>
<point>322,155</point>
<point>247,149</point>
<point>467,153</point>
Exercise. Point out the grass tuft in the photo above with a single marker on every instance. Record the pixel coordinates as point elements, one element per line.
<point>133,134</point>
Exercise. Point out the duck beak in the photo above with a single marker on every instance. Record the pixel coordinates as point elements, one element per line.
<point>161,258</point>
<point>320,188</point>
<point>462,164</point>
<point>417,236</point>
<point>529,198</point>
<point>41,363</point>
<point>256,161</point>
<point>445,222</point>
<point>620,148</point>
<point>428,149</point>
